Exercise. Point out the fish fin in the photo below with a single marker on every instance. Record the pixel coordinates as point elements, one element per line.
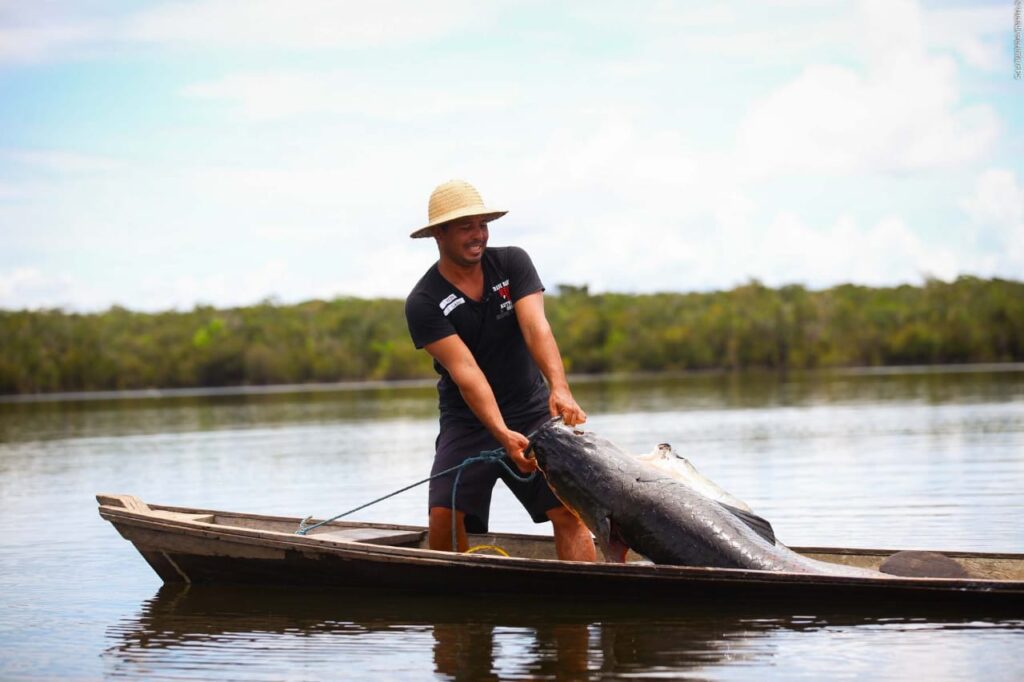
<point>758,524</point>
<point>603,536</point>
<point>613,548</point>
<point>617,550</point>
<point>659,452</point>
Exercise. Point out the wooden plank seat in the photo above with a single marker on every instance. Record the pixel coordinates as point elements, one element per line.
<point>373,536</point>
<point>182,516</point>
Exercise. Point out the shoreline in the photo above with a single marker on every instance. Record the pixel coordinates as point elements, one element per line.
<point>354,386</point>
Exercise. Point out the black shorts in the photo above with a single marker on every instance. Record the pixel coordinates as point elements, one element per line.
<point>455,444</point>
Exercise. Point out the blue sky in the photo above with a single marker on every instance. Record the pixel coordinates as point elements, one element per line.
<point>163,154</point>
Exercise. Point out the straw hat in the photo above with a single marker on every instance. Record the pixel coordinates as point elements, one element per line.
<point>452,200</point>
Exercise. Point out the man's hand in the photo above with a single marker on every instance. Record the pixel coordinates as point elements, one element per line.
<point>514,444</point>
<point>562,404</point>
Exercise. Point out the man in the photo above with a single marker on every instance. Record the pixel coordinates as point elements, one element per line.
<point>479,312</point>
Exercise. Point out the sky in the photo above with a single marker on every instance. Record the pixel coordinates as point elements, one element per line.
<point>161,155</point>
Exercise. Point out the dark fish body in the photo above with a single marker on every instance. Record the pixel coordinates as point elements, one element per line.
<point>629,504</point>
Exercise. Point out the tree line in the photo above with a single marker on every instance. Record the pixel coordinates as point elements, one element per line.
<point>749,327</point>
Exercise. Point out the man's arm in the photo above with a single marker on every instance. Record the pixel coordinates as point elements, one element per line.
<point>453,354</point>
<point>541,342</point>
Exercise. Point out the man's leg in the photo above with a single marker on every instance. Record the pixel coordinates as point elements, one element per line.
<point>439,534</point>
<point>573,541</point>
<point>454,444</point>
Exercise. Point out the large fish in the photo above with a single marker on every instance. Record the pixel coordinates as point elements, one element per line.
<point>628,504</point>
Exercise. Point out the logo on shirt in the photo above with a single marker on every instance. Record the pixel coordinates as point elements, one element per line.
<point>450,303</point>
<point>505,309</point>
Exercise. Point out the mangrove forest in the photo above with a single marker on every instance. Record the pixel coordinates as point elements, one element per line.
<point>752,326</point>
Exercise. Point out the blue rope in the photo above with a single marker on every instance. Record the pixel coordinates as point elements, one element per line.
<point>495,455</point>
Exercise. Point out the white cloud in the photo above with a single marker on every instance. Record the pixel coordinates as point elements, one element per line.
<point>975,34</point>
<point>64,162</point>
<point>30,287</point>
<point>610,153</point>
<point>803,31</point>
<point>998,199</point>
<point>884,253</point>
<point>10,190</point>
<point>232,287</point>
<point>626,209</point>
<point>390,267</point>
<point>63,29</point>
<point>996,214</point>
<point>386,270</point>
<point>37,43</point>
<point>788,42</point>
<point>357,191</point>
<point>294,233</point>
<point>903,113</point>
<point>279,94</point>
<point>307,25</point>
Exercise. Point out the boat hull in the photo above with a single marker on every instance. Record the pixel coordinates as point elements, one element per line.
<point>181,550</point>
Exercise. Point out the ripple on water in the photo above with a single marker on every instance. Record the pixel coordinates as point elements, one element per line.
<point>939,465</point>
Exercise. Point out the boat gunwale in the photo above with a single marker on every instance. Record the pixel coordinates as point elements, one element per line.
<point>852,551</point>
<point>417,555</point>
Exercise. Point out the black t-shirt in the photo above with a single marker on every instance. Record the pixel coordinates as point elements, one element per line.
<point>436,308</point>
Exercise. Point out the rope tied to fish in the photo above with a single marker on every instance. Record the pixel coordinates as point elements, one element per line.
<point>496,456</point>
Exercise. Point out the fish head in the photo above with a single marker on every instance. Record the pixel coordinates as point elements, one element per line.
<point>567,453</point>
<point>659,452</point>
<point>589,474</point>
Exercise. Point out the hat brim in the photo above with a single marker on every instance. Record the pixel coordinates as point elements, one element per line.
<point>488,213</point>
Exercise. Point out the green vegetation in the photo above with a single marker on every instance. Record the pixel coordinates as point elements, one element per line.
<point>752,326</point>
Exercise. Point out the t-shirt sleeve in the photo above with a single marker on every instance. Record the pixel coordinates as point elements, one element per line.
<point>523,279</point>
<point>426,321</point>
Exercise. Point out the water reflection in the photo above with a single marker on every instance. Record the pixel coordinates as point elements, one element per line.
<point>480,638</point>
<point>117,414</point>
<point>208,632</point>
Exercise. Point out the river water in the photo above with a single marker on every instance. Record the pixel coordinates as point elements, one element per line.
<point>930,460</point>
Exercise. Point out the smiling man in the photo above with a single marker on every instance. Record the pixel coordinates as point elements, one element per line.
<point>479,312</point>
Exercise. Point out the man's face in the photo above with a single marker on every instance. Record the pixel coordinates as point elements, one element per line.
<point>463,241</point>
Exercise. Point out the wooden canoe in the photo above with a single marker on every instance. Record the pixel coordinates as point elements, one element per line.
<point>205,546</point>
